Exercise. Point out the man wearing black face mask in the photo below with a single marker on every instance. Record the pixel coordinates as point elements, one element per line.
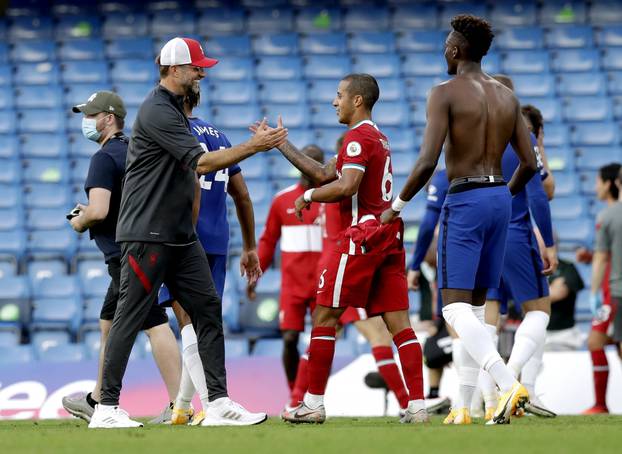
<point>103,123</point>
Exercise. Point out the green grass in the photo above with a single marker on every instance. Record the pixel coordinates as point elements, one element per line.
<point>578,434</point>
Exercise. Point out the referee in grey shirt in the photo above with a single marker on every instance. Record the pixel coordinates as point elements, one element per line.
<point>157,236</point>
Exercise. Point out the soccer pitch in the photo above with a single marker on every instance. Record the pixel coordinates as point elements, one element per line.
<point>569,434</point>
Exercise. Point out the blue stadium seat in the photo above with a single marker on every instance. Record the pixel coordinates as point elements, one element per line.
<point>9,339</point>
<point>10,196</point>
<point>172,23</point>
<point>575,232</point>
<point>78,93</point>
<point>513,13</point>
<point>595,134</point>
<point>569,36</point>
<point>14,288</point>
<point>327,137</point>
<point>391,113</point>
<point>41,120</point>
<point>418,88</point>
<point>79,170</point>
<point>610,36</point>
<point>301,137</point>
<point>525,62</point>
<point>233,92</point>
<point>520,38</point>
<point>55,313</point>
<point>378,65</point>
<point>133,93</point>
<point>46,218</point>
<point>43,145</point>
<point>614,83</point>
<point>144,71</point>
<point>371,18</point>
<point>234,68</point>
<point>563,12</point>
<point>612,59</point>
<point>391,89</point>
<point>592,158</point>
<point>401,140</point>
<point>566,184</point>
<point>286,91</point>
<point>43,73</point>
<point>533,84</point>
<point>491,63</point>
<point>414,16</point>
<point>47,195</point>
<point>63,354</point>
<point>6,98</point>
<point>568,207</point>
<point>323,90</point>
<point>46,269</point>
<point>90,268</point>
<point>95,287</point>
<point>78,26</point>
<point>372,43</point>
<point>449,10</point>
<point>222,21</point>
<point>559,158</point>
<point>605,12</point>
<point>421,41</point>
<point>10,170</point>
<point>270,20</point>
<point>9,146</point>
<point>556,135</point>
<point>327,66</point>
<point>57,287</point>
<point>6,75</point>
<point>33,51</point>
<point>260,190</point>
<point>81,147</point>
<point>323,115</point>
<point>281,169</point>
<point>279,68</point>
<point>581,84</point>
<point>20,354</point>
<point>92,72</point>
<point>121,48</point>
<point>276,44</point>
<point>318,19</point>
<point>8,267</point>
<point>587,108</point>
<point>52,243</point>
<point>228,46</point>
<point>268,347</point>
<point>424,64</point>
<point>13,243</point>
<point>31,27</point>
<point>587,186</point>
<point>92,343</point>
<point>414,212</point>
<point>4,53</point>
<point>255,167</point>
<point>231,116</point>
<point>403,163</point>
<point>236,348</point>
<point>81,49</point>
<point>294,115</point>
<point>323,43</point>
<point>550,107</point>
<point>87,247</point>
<point>118,25</point>
<point>575,60</point>
<point>11,219</point>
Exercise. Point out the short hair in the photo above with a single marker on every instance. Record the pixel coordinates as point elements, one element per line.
<point>611,173</point>
<point>119,122</point>
<point>314,152</point>
<point>477,32</point>
<point>364,85</point>
<point>163,71</point>
<point>535,117</point>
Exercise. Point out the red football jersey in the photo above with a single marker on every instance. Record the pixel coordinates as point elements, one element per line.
<point>366,149</point>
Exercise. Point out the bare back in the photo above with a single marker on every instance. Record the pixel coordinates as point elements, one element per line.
<point>482,121</point>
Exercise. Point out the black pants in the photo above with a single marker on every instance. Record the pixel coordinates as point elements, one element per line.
<point>186,272</point>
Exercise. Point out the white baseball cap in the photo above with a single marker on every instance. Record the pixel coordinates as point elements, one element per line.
<point>184,51</point>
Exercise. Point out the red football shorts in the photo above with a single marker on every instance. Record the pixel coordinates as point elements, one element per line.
<point>603,322</point>
<point>293,311</point>
<point>375,282</point>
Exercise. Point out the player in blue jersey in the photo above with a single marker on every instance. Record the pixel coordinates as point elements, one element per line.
<point>210,211</point>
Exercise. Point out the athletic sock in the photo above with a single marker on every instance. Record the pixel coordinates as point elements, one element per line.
<point>531,370</point>
<point>477,343</point>
<point>186,389</point>
<point>600,369</point>
<point>468,371</point>
<point>89,400</point>
<point>321,352</point>
<point>530,334</point>
<point>486,383</point>
<point>390,373</point>
<point>411,359</point>
<point>302,381</point>
<point>433,393</point>
<point>193,364</point>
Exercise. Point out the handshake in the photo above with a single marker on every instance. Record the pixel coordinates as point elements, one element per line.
<point>266,137</point>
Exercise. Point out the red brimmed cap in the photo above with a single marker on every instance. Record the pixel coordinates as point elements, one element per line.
<point>184,51</point>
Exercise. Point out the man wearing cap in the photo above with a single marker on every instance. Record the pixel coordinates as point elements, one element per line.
<point>158,240</point>
<point>103,122</point>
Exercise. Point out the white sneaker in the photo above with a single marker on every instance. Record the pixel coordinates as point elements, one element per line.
<point>109,417</point>
<point>225,412</point>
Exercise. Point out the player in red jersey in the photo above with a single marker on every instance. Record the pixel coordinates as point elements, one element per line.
<point>365,268</point>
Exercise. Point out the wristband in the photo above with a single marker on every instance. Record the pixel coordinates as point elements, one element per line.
<point>307,195</point>
<point>398,204</point>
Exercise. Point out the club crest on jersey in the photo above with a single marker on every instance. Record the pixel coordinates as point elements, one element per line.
<point>385,144</point>
<point>353,149</point>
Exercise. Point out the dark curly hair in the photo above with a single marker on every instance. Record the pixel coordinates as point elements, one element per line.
<point>535,117</point>
<point>610,173</point>
<point>476,31</point>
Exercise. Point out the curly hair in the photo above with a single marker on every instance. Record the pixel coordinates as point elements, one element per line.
<point>476,31</point>
<point>610,173</point>
<point>535,117</point>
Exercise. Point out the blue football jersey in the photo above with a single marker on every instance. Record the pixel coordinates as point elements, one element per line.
<point>213,227</point>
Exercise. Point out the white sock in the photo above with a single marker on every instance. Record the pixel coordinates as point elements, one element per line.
<point>530,334</point>
<point>480,313</point>
<point>478,343</point>
<point>416,405</point>
<point>486,383</point>
<point>468,370</point>
<point>477,401</point>
<point>531,370</point>
<point>186,389</point>
<point>313,401</point>
<point>193,364</point>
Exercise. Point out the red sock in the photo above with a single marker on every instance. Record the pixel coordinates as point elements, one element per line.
<point>390,373</point>
<point>600,368</point>
<point>321,352</point>
<point>302,381</point>
<point>411,358</point>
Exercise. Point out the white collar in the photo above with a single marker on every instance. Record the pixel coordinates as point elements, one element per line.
<point>360,123</point>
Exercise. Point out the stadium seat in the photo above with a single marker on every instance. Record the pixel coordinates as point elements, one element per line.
<point>323,91</point>
<point>563,12</point>
<point>491,63</point>
<point>268,347</point>
<point>46,269</point>
<point>39,97</point>
<point>323,115</point>
<point>234,68</point>
<point>569,36</point>
<point>13,243</point>
<point>401,140</point>
<point>10,170</point>
<point>228,46</point>
<point>31,28</point>
<point>93,72</point>
<point>294,115</point>
<point>233,92</point>
<point>391,113</point>
<point>549,107</point>
<point>275,44</point>
<point>118,25</point>
<point>19,354</point>
<point>520,38</point>
<point>587,108</point>
<point>9,146</point>
<point>57,313</point>
<point>424,64</point>
<point>525,62</point>
<point>595,134</point>
<point>33,51</point>
<point>232,116</point>
<point>6,98</point>
<point>172,23</point>
<point>9,338</point>
<point>14,287</point>
<point>79,147</point>
<point>62,353</point>
<point>575,232</point>
<point>52,243</point>
<point>79,170</point>
<point>301,137</point>
<point>582,84</point>
<point>449,10</point>
<point>43,340</point>
<point>327,137</point>
<point>137,71</point>
<point>605,12</point>
<point>612,59</point>
<point>568,208</point>
<point>513,13</point>
<point>371,43</point>
<point>46,218</point>
<point>89,268</point>
<point>587,179</point>
<point>92,343</point>
<point>560,158</point>
<point>44,73</point>
<point>281,168</point>
<point>575,60</point>
<point>592,158</point>
<point>11,219</point>
<point>44,145</point>
<point>78,93</point>
<point>59,286</point>
<point>77,26</point>
<point>414,16</point>
<point>10,197</point>
<point>323,43</point>
<point>271,20</point>
<point>279,68</point>
<point>533,84</point>
<point>255,167</point>
<point>41,120</point>
<point>285,92</point>
<point>95,287</point>
<point>378,65</point>
<point>402,163</point>
<point>122,48</point>
<point>222,21</point>
<point>47,195</point>
<point>566,184</point>
<point>418,88</point>
<point>326,66</point>
<point>556,135</point>
<point>366,19</point>
<point>236,348</point>
<point>318,19</point>
<point>6,75</point>
<point>610,36</point>
<point>420,41</point>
